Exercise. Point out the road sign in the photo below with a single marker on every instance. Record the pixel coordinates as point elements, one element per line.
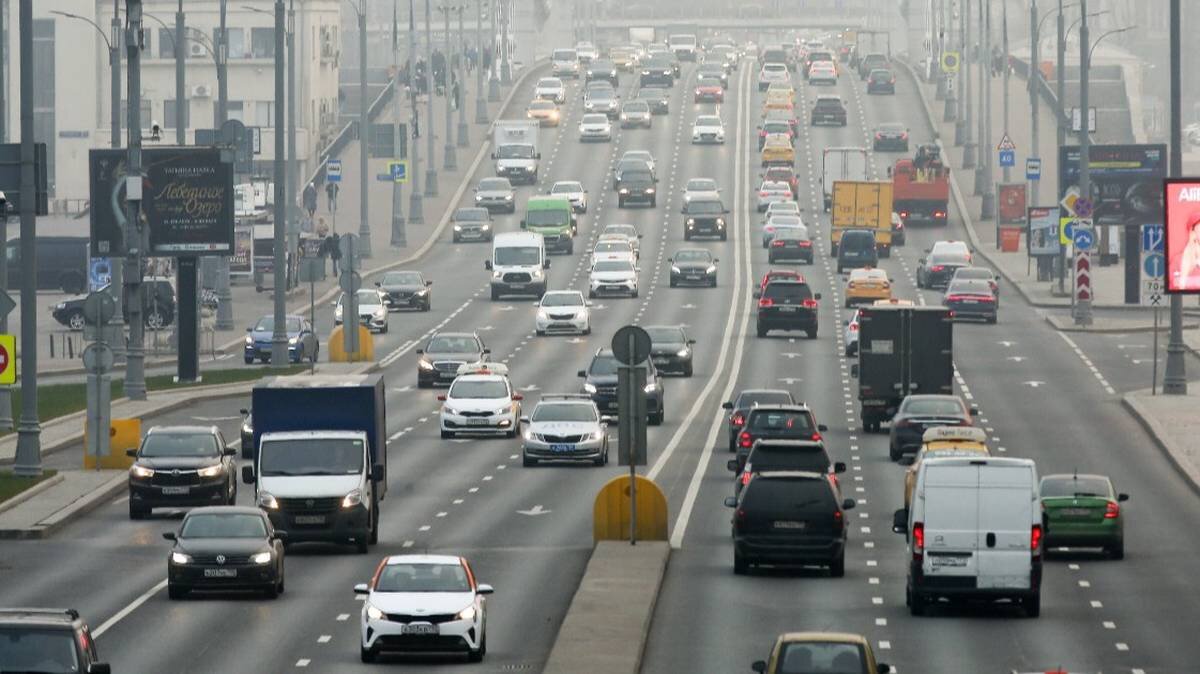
<point>351,282</point>
<point>1076,121</point>
<point>1152,291</point>
<point>8,355</point>
<point>1008,158</point>
<point>98,358</point>
<point>1066,231</point>
<point>6,304</point>
<point>98,308</point>
<point>1083,238</point>
<point>1153,237</point>
<point>1068,200</point>
<point>1083,276</point>
<point>1006,143</point>
<point>1083,207</point>
<point>631,345</point>
<point>99,273</point>
<point>333,170</point>
<point>950,62</point>
<point>1033,168</point>
<point>1154,265</point>
<point>398,170</point>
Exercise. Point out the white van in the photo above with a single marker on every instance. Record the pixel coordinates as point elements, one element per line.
<point>518,264</point>
<point>564,63</point>
<point>974,531</point>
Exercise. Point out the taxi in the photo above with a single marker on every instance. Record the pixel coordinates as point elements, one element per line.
<point>942,441</point>
<point>785,87</point>
<point>778,100</point>
<point>867,285</point>
<point>821,652</point>
<point>481,400</point>
<point>545,112</point>
<point>777,150</point>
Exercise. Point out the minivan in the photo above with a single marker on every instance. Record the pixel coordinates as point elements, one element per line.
<point>857,249</point>
<point>518,264</point>
<point>553,217</point>
<point>974,531</point>
<point>62,263</point>
<point>565,63</point>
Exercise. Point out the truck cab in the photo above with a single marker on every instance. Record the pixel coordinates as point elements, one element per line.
<point>518,264</point>
<point>683,45</point>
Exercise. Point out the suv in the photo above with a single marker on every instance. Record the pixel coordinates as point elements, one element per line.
<point>776,422</point>
<point>472,223</point>
<point>47,640</point>
<point>789,517</point>
<point>600,382</point>
<point>704,216</point>
<point>829,109</point>
<point>181,466</point>
<point>747,399</point>
<point>767,455</point>
<point>158,305</point>
<point>786,304</point>
<point>636,185</point>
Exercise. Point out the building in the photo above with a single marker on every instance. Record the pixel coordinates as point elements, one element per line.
<point>71,62</point>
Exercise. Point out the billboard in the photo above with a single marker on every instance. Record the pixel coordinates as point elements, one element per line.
<point>1043,232</point>
<point>1182,199</point>
<point>1126,181</point>
<point>1010,204</point>
<point>243,244</point>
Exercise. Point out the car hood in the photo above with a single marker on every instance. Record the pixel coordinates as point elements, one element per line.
<point>563,427</point>
<point>666,347</point>
<point>477,404</point>
<point>413,287</point>
<point>693,265</point>
<point>459,356</point>
<point>703,216</point>
<point>181,462</point>
<point>707,129</point>
<point>265,335</point>
<point>595,126</point>
<point>601,257</point>
<point>309,486</point>
<point>227,546</point>
<point>421,603</point>
<point>613,276</point>
<point>494,194</point>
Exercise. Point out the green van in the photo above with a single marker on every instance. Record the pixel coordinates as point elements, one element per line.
<point>553,218</point>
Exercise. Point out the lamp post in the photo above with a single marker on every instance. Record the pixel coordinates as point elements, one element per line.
<point>431,178</point>
<point>505,26</point>
<point>980,135</point>
<point>450,161</point>
<point>135,357</point>
<point>399,236</point>
<point>1175,376</point>
<point>968,159</point>
<point>279,339</point>
<point>416,209</point>
<point>493,69</point>
<point>224,296</point>
<point>463,131</point>
<point>481,111</point>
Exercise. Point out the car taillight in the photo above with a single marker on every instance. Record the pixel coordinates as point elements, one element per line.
<point>939,214</point>
<point>766,302</point>
<point>1112,511</point>
<point>903,214</point>
<point>816,437</point>
<point>886,285</point>
<point>763,193</point>
<point>879,136</point>
<point>737,419</point>
<point>809,304</point>
<point>806,244</point>
<point>937,267</point>
<point>839,521</point>
<point>746,475</point>
<point>762,134</point>
<point>854,327</point>
<point>918,535</point>
<point>744,439</point>
<point>901,423</point>
<point>892,81</point>
<point>1035,537</point>
<point>904,136</point>
<point>777,243</point>
<point>770,228</point>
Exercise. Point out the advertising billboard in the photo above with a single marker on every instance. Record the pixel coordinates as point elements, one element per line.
<point>1043,232</point>
<point>1010,204</point>
<point>1182,199</point>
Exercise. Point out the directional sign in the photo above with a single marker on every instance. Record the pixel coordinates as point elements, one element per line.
<point>1008,158</point>
<point>1083,207</point>
<point>1084,238</point>
<point>398,170</point>
<point>1152,292</point>
<point>1153,237</point>
<point>1083,276</point>
<point>950,62</point>
<point>1006,143</point>
<point>1033,168</point>
<point>333,170</point>
<point>8,354</point>
<point>1154,265</point>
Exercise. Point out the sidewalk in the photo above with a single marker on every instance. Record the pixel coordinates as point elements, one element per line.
<point>1172,422</point>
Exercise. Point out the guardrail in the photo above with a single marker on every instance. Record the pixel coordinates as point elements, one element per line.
<point>346,135</point>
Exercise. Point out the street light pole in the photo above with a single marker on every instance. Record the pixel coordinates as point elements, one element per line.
<point>1034,81</point>
<point>1175,377</point>
<point>224,296</point>
<point>505,25</point>
<point>493,64</point>
<point>293,169</point>
<point>980,131</point>
<point>1007,170</point>
<point>951,110</point>
<point>364,136</point>
<point>1083,306</point>
<point>450,163</point>
<point>135,358</point>
<point>399,236</point>
<point>461,80</point>
<point>416,209</point>
<point>1061,130</point>
<point>431,177</point>
<point>279,350</point>
<point>968,142</point>
<point>180,99</point>
<point>987,207</point>
<point>481,111</point>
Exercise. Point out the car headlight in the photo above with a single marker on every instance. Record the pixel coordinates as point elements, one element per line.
<point>211,471</point>
<point>502,410</point>
<point>712,269</point>
<point>508,197</point>
<point>721,222</point>
<point>478,197</point>
<point>645,72</point>
<point>651,387</point>
<point>536,272</point>
<point>542,315</point>
<point>60,305</point>
<point>446,409</point>
<point>682,353</point>
<point>597,435</point>
<point>649,190</point>
<point>424,364</point>
<point>249,341</point>
<point>624,117</point>
<point>458,228</point>
<point>623,190</point>
<point>589,387</point>
<point>141,471</point>
<point>268,501</point>
<point>180,558</point>
<point>261,558</point>
<point>293,340</point>
<point>467,613</point>
<point>352,499</point>
<point>690,222</point>
<point>675,270</point>
<point>374,613</point>
<point>497,275</point>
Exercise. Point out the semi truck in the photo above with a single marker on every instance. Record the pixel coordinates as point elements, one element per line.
<point>841,163</point>
<point>319,456</point>
<point>515,150</point>
<point>921,187</point>
<point>862,205</point>
<point>902,350</point>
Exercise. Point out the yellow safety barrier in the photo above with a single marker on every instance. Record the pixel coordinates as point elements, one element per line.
<point>611,512</point>
<point>337,349</point>
<point>123,434</point>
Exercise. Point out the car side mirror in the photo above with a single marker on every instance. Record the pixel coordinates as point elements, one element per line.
<point>537,155</point>
<point>846,322</point>
<point>419,351</point>
<point>889,171</point>
<point>249,329</point>
<point>854,370</point>
<point>495,155</point>
<point>170,535</point>
<point>484,588</point>
<point>378,284</point>
<point>1121,498</point>
<point>900,521</point>
<point>883,668</point>
<point>732,465</point>
<point>487,264</point>
<point>974,410</point>
<point>546,263</point>
<point>839,467</point>
<point>757,294</point>
<point>247,474</point>
<point>727,405</point>
<point>518,397</point>
<point>581,373</point>
<point>759,666</point>
<point>725,211</point>
<point>921,260</point>
<point>908,459</point>
<point>280,536</point>
<point>244,412</point>
<point>428,284</point>
<point>525,419</point>
<point>691,342</point>
<point>99,668</point>
<point>230,451</point>
<point>486,352</point>
<point>442,397</point>
<point>848,504</point>
<point>822,427</point>
<point>730,502</point>
<point>131,452</point>
<point>361,588</point>
<point>522,224</point>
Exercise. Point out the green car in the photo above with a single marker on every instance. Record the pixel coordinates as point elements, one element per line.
<point>1083,511</point>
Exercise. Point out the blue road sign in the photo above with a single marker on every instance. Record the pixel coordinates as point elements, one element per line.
<point>1033,168</point>
<point>383,177</point>
<point>1008,157</point>
<point>1152,238</point>
<point>99,273</point>
<point>1083,238</point>
<point>333,170</point>
<point>1154,265</point>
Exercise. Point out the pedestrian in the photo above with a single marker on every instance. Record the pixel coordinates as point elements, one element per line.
<point>335,250</point>
<point>322,231</point>
<point>487,60</point>
<point>310,199</point>
<point>331,195</point>
<point>455,91</point>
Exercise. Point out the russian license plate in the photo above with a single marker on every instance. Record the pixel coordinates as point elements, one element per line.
<point>611,405</point>
<point>693,277</point>
<point>562,448</point>
<point>220,573</point>
<point>947,562</point>
<point>175,490</point>
<point>660,360</point>
<point>788,309</point>
<point>477,422</point>
<point>1076,512</point>
<point>309,519</point>
<point>421,629</point>
<point>789,524</point>
<point>970,301</point>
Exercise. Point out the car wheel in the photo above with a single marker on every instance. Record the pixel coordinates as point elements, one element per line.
<point>837,568</point>
<point>1117,551</point>
<point>893,453</point>
<point>76,320</point>
<point>137,512</point>
<point>811,334</point>
<point>762,332</point>
<point>740,566</point>
<point>916,603</point>
<point>540,333</point>
<point>447,435</point>
<point>271,591</point>
<point>477,655</point>
<point>424,384</point>
<point>657,419</point>
<point>687,370</point>
<point>1032,605</point>
<point>528,462</point>
<point>724,236</point>
<point>495,294</point>
<point>713,283</point>
<point>770,259</point>
<point>156,320</point>
<point>360,546</point>
<point>366,654</point>
<point>176,591</point>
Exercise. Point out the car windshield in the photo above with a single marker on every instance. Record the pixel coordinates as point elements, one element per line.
<point>478,388</point>
<point>470,214</point>
<point>708,120</point>
<point>777,127</point>
<point>969,287</point>
<point>950,248</point>
<point>933,406</point>
<point>267,324</point>
<point>178,444</point>
<point>780,420</point>
<point>550,82</point>
<point>783,206</point>
<point>613,247</point>
<point>562,300</point>
<point>636,106</point>
<point>769,457</point>
<point>636,175</point>
<point>654,94</point>
<point>707,81</point>
<point>594,119</point>
<point>891,128</point>
<point>310,456</point>
<point>665,335</point>
<point>693,255</point>
<point>601,94</point>
<point>494,185</point>
<point>41,650</point>
<point>564,412</point>
<point>510,256</point>
<point>515,152</point>
<point>821,658</point>
<point>949,258</point>
<point>868,275</point>
<point>628,231</point>
<point>792,233</point>
<point>762,398</point>
<point>785,221</point>
<point>613,265</point>
<point>542,105</point>
<point>564,55</point>
<point>704,207</point>
<point>787,291</point>
<point>365,297</point>
<point>548,217</point>
<point>701,185</point>
<point>1070,486</point>
<point>206,525</point>
<point>974,273</point>
<point>604,365</point>
<point>422,578</point>
<point>453,345</point>
<point>402,278</point>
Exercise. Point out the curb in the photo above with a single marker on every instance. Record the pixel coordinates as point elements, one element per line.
<point>73,511</point>
<point>1155,431</point>
<point>1163,327</point>
<point>30,493</point>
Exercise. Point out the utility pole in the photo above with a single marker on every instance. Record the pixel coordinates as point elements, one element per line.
<point>450,163</point>
<point>461,79</point>
<point>135,357</point>
<point>279,339</point>
<point>399,237</point>
<point>505,25</point>
<point>1035,81</point>
<point>1007,170</point>
<point>968,142</point>
<point>951,109</point>
<point>6,420</point>
<point>987,208</point>
<point>293,168</point>
<point>481,111</point>
<point>180,98</point>
<point>117,280</point>
<point>224,296</point>
<point>1083,307</point>
<point>4,70</point>
<point>416,209</point>
<point>494,65</point>
<point>981,132</point>
<point>431,177</point>
<point>364,135</point>
<point>1061,129</point>
<point>1175,378</point>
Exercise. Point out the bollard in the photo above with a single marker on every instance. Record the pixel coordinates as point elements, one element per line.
<point>71,347</point>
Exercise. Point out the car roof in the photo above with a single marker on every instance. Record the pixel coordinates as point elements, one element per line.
<point>793,444</point>
<point>454,334</point>
<point>45,617</point>
<point>183,428</point>
<point>835,637</point>
<point>225,510</point>
<point>781,407</point>
<point>423,559</point>
<point>1076,476</point>
<point>792,475</point>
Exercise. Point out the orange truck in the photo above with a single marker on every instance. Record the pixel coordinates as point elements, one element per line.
<point>921,187</point>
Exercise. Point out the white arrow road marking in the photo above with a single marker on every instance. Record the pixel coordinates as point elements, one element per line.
<point>485,328</point>
<point>531,387</point>
<point>1132,346</point>
<point>210,419</point>
<point>687,306</point>
<point>1005,343</point>
<point>534,511</point>
<point>506,307</point>
<point>402,389</point>
<point>1034,384</point>
<point>600,306</point>
<point>790,355</point>
<point>460,440</point>
<point>576,340</point>
<point>1016,359</point>
<point>790,380</point>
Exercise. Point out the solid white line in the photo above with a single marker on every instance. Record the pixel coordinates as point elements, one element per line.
<point>130,608</point>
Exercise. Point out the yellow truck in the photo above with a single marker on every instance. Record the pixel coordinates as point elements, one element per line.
<point>862,205</point>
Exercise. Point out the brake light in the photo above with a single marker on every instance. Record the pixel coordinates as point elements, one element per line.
<point>879,136</point>
<point>806,244</point>
<point>809,304</point>
<point>762,193</point>
<point>746,475</point>
<point>737,419</point>
<point>904,136</point>
<point>838,521</point>
<point>1035,537</point>
<point>850,285</point>
<point>903,214</point>
<point>766,302</point>
<point>918,535</point>
<point>937,267</point>
<point>892,81</point>
<point>854,327</point>
<point>939,214</point>
<point>770,228</point>
<point>1112,511</point>
<point>762,134</point>
<point>777,243</point>
<point>744,439</point>
<point>816,437</point>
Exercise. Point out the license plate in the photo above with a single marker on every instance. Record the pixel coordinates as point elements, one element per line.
<point>970,301</point>
<point>789,524</point>
<point>693,277</point>
<point>422,629</point>
<point>940,562</point>
<point>612,405</point>
<point>220,573</point>
<point>660,361</point>
<point>175,490</point>
<point>477,422</point>
<point>787,309</point>
<point>562,448</point>
<point>1076,512</point>
<point>310,519</point>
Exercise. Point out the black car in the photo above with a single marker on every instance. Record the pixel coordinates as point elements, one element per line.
<point>788,304</point>
<point>856,249</point>
<point>890,136</point>
<point>49,640</point>
<point>747,399</point>
<point>769,455</point>
<point>603,70</point>
<point>225,548</point>
<point>714,70</point>
<point>777,422</point>
<point>704,217</point>
<point>693,266</point>
<point>472,223</point>
<point>791,243</point>
<point>444,353</point>
<point>829,110</point>
<point>158,306</point>
<point>881,81</point>
<point>179,466</point>
<point>636,185</point>
<point>657,72</point>
<point>658,100</point>
<point>971,298</point>
<point>789,518</point>
<point>671,349</point>
<point>600,382</point>
<point>406,290</point>
<point>936,270</point>
<point>920,412</point>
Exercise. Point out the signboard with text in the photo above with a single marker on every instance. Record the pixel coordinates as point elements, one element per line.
<point>1181,196</point>
<point>1043,232</point>
<point>1010,204</point>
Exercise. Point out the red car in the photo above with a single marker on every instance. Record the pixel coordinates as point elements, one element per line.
<point>784,174</point>
<point>776,274</point>
<point>709,90</point>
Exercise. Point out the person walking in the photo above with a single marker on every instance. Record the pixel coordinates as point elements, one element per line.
<point>335,251</point>
<point>310,200</point>
<point>455,92</point>
<point>331,195</point>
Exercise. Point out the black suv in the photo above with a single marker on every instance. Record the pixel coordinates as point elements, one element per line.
<point>444,353</point>
<point>657,72</point>
<point>636,185</point>
<point>158,306</point>
<point>789,517</point>
<point>741,405</point>
<point>788,304</point>
<point>603,70</point>
<point>776,422</point>
<point>704,217</point>
<point>600,382</point>
<point>47,640</point>
<point>829,110</point>
<point>178,466</point>
<point>768,455</point>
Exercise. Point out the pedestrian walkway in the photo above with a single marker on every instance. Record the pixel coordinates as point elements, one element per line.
<point>70,494</point>
<point>1172,421</point>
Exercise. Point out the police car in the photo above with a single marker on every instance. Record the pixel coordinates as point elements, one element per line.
<point>481,401</point>
<point>565,428</point>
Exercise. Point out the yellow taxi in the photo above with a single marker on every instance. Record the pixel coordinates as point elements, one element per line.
<point>545,112</point>
<point>867,285</point>
<point>777,150</point>
<point>821,652</point>
<point>785,87</point>
<point>778,100</point>
<point>624,58</point>
<point>942,441</point>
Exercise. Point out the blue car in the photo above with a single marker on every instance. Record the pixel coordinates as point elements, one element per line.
<point>302,341</point>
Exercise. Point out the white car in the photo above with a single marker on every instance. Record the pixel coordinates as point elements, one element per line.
<point>415,600</point>
<point>586,51</point>
<point>628,233</point>
<point>708,129</point>
<point>701,188</point>
<point>481,400</point>
<point>772,72</point>
<point>595,126</point>
<point>850,334</point>
<point>565,428</point>
<point>773,191</point>
<point>613,249</point>
<point>777,222</point>
<point>372,310</point>
<point>823,72</point>
<point>573,191</point>
<point>563,311</point>
<point>782,208</point>
<point>613,277</point>
<point>640,155</point>
<point>551,88</point>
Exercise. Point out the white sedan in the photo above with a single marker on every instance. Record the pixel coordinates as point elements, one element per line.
<point>481,400</point>
<point>595,126</point>
<point>573,191</point>
<point>372,309</point>
<point>613,249</point>
<point>820,73</point>
<point>551,88</point>
<point>405,594</point>
<point>565,428</point>
<point>701,188</point>
<point>613,277</point>
<point>628,233</point>
<point>708,129</point>
<point>563,311</point>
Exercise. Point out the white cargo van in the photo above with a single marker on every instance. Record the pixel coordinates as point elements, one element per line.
<point>564,63</point>
<point>518,264</point>
<point>974,531</point>
<point>841,163</point>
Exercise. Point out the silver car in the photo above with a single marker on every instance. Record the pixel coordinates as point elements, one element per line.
<point>636,113</point>
<point>777,222</point>
<point>850,334</point>
<point>565,428</point>
<point>772,191</point>
<point>496,194</point>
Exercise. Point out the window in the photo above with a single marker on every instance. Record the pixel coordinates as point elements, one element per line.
<point>262,43</point>
<point>237,41</point>
<point>264,113</point>
<point>169,114</point>
<point>233,110</point>
<point>144,113</point>
<point>166,44</point>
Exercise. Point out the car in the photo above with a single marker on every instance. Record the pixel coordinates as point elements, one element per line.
<point>623,57</point>
<point>700,188</point>
<point>626,165</point>
<point>601,69</point>
<point>657,71</point>
<point>693,266</point>
<point>714,71</point>
<point>774,275</point>
<point>779,100</point>
<point>782,115</point>
<point>918,412</point>
<point>820,73</point>
<point>770,455</point>
<point>246,433</point>
<point>872,61</point>
<point>789,517</point>
<point>551,88</point>
<point>782,87</point>
<point>724,54</point>
<point>496,194</point>
<point>979,274</point>
<point>778,222</point>
<point>372,309</point>
<point>971,298</point>
<point>181,466</point>
<point>772,72</point>
<point>639,155</point>
<point>777,150</point>
<point>604,101</point>
<point>708,90</point>
<point>158,305</point>
<point>899,231</point>
<point>881,81</point>
<point>856,249</point>
<point>942,441</point>
<point>595,127</point>
<point>786,174</point>
<point>657,99</point>
<point>775,127</point>
<point>598,86</point>
<point>629,233</point>
<point>787,305</point>
<point>890,137</point>
<point>481,400</point>
<point>790,243</point>
<point>545,112</point>
<point>865,285</point>
<point>778,421</point>
<point>565,428</point>
<point>617,248</point>
<point>828,109</point>
<point>636,185</point>
<point>1083,511</point>
<point>442,355</point>
<point>636,113</point>
<point>850,334</point>
<point>600,382</point>
<point>818,57</point>
<point>563,311</point>
<point>48,640</point>
<point>406,289</point>
<point>704,217</point>
<point>574,192</point>
<point>671,349</point>
<point>423,603</point>
<point>821,652</point>
<point>587,52</point>
<point>302,342</point>
<point>613,277</point>
<point>565,63</point>
<point>771,192</point>
<point>225,548</point>
<point>472,223</point>
<point>744,401</point>
<point>935,270</point>
<point>787,207</point>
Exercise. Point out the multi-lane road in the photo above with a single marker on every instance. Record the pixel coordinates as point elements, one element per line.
<point>1043,395</point>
